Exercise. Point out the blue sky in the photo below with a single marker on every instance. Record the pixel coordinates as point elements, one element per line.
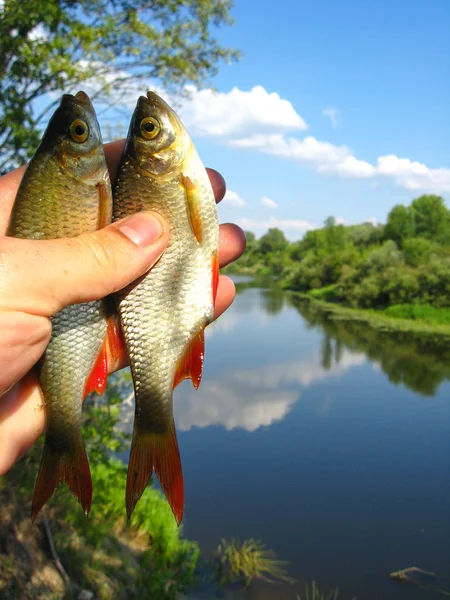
<point>337,107</point>
<point>383,66</point>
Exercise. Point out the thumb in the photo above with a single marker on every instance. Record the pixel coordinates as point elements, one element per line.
<point>43,276</point>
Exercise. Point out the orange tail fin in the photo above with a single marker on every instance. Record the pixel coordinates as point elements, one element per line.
<point>71,466</point>
<point>156,452</point>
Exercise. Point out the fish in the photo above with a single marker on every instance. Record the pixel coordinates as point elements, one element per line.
<point>164,313</point>
<point>66,191</point>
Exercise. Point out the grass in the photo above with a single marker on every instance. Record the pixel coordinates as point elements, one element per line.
<point>419,312</point>
<point>248,561</point>
<point>432,329</point>
<point>313,593</point>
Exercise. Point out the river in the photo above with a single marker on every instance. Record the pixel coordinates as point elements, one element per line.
<point>328,441</point>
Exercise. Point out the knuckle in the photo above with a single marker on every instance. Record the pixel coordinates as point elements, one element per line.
<point>100,252</point>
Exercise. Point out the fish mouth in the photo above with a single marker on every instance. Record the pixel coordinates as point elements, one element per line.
<point>157,101</point>
<point>79,99</point>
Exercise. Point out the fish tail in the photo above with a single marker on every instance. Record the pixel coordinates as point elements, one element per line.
<point>70,465</point>
<point>156,452</point>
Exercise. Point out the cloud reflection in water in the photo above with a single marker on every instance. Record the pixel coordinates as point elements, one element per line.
<point>253,398</point>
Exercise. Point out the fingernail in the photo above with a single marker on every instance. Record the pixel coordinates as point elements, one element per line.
<point>143,229</point>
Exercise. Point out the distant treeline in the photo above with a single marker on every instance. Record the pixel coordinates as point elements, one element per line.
<point>406,261</point>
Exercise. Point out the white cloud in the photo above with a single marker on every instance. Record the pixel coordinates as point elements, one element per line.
<point>268,202</point>
<point>233,199</point>
<point>340,220</point>
<point>372,220</point>
<point>238,112</point>
<point>333,114</point>
<point>260,120</point>
<point>330,159</point>
<point>291,227</point>
<point>413,175</point>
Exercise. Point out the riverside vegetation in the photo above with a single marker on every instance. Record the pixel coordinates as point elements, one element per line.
<point>401,269</point>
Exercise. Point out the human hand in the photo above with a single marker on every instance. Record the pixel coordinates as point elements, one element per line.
<point>38,278</point>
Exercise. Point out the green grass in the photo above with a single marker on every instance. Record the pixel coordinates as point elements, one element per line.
<point>248,561</point>
<point>419,312</point>
<point>326,293</point>
<point>313,593</point>
<point>418,327</point>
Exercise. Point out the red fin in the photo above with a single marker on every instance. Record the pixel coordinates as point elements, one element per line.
<point>57,466</point>
<point>191,364</point>
<point>193,208</point>
<point>156,452</point>
<point>96,382</point>
<point>215,275</point>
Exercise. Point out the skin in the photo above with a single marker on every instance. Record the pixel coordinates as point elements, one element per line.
<point>38,278</point>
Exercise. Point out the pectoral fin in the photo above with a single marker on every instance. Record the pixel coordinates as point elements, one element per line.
<point>193,208</point>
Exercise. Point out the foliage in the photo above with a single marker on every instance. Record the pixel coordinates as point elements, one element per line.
<point>52,46</point>
<point>147,558</point>
<point>406,261</point>
<point>248,561</point>
<point>422,312</point>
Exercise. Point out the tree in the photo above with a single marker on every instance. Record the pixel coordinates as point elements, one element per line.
<point>431,217</point>
<point>53,46</point>
<point>400,224</point>
<point>273,241</point>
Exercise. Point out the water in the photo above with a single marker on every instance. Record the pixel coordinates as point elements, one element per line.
<point>328,441</point>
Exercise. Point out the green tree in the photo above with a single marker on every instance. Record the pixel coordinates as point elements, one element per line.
<point>431,217</point>
<point>273,241</point>
<point>51,46</point>
<point>400,224</point>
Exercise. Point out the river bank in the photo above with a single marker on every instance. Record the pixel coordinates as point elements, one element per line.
<point>384,320</point>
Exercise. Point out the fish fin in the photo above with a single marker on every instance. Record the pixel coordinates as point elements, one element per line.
<point>96,382</point>
<point>190,365</point>
<point>104,204</point>
<point>116,342</point>
<point>215,274</point>
<point>98,378</point>
<point>159,453</point>
<point>193,208</point>
<point>71,466</point>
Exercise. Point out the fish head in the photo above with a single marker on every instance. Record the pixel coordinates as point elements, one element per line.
<point>74,140</point>
<point>157,140</point>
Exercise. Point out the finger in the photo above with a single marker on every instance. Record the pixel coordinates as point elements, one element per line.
<point>113,153</point>
<point>226,293</point>
<point>231,243</point>
<point>217,183</point>
<point>41,277</point>
<point>22,420</point>
<point>8,188</point>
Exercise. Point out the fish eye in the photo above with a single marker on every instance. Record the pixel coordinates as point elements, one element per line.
<point>79,131</point>
<point>150,128</point>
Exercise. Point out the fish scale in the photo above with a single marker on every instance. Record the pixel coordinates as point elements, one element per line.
<point>65,192</point>
<point>166,311</point>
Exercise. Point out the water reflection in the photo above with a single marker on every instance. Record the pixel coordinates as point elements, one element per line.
<point>418,364</point>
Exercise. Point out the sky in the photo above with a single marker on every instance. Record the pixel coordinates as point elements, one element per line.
<point>351,110</point>
<point>336,108</point>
